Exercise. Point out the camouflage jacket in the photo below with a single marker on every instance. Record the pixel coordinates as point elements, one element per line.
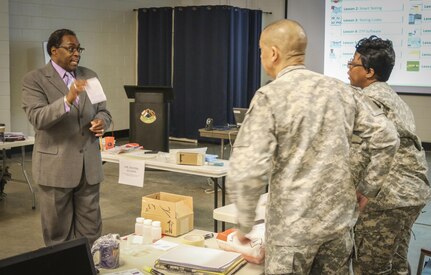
<point>296,137</point>
<point>407,183</point>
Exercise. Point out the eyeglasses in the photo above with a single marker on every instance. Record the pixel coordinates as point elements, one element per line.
<point>352,64</point>
<point>72,49</point>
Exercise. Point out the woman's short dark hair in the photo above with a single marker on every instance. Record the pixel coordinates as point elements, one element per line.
<point>56,38</point>
<point>377,54</point>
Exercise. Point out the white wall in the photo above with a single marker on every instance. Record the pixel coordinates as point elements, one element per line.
<point>5,110</point>
<point>311,15</point>
<point>421,107</point>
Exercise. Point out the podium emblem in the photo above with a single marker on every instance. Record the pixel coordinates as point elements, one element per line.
<point>148,116</point>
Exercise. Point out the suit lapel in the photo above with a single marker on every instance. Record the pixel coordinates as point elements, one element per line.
<point>54,78</point>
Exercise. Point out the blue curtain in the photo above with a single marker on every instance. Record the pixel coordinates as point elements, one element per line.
<point>244,61</point>
<point>216,65</point>
<point>154,46</point>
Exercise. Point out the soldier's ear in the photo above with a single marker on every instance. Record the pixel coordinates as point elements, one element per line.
<point>370,74</point>
<point>275,54</point>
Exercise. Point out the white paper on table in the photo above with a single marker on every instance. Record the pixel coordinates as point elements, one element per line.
<point>164,245</point>
<point>199,258</point>
<point>131,172</point>
<point>95,91</point>
<point>133,271</point>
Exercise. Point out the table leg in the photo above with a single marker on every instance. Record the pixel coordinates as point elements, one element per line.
<point>26,176</point>
<point>222,148</point>
<point>4,166</point>
<point>223,198</point>
<point>215,184</point>
<point>4,162</point>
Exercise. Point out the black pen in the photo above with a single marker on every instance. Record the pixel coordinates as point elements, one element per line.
<point>208,236</point>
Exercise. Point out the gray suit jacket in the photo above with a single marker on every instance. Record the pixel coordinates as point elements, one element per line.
<point>64,145</point>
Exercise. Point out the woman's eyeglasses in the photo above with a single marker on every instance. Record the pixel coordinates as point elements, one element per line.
<point>352,64</point>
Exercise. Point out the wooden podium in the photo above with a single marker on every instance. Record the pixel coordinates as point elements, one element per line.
<point>149,116</point>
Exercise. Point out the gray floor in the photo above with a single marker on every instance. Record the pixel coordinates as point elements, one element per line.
<point>20,229</point>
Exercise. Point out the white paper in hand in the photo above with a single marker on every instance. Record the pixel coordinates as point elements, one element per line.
<point>95,91</point>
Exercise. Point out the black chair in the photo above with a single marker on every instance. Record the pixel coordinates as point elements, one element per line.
<point>421,265</point>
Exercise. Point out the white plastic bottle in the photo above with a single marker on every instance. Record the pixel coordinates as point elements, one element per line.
<point>156,230</point>
<point>139,226</point>
<point>147,232</point>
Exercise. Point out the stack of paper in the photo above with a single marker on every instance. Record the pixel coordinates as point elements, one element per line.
<point>125,149</point>
<point>193,259</point>
<point>14,136</point>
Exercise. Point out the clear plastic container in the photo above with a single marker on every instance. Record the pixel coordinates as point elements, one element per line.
<point>156,231</point>
<point>139,226</point>
<point>147,232</point>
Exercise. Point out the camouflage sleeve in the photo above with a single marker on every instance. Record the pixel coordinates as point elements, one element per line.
<point>359,159</point>
<point>388,105</point>
<point>251,160</point>
<point>381,143</point>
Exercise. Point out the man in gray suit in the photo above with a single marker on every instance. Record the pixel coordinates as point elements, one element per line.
<point>67,163</point>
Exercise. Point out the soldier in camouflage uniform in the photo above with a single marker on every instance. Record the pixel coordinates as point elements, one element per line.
<point>382,233</point>
<point>296,137</point>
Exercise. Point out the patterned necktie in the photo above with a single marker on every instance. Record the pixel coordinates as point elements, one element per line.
<point>68,79</point>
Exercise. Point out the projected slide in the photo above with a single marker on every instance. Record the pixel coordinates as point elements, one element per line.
<point>406,22</point>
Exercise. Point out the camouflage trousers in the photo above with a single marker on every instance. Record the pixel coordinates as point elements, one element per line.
<point>332,257</point>
<point>382,240</point>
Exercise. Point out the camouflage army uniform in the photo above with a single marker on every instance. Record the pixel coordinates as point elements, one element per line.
<point>296,138</point>
<point>382,234</point>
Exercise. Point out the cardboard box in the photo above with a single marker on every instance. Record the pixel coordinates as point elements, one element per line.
<point>175,212</point>
<point>190,158</point>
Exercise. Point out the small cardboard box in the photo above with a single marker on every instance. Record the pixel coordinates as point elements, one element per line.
<point>175,212</point>
<point>190,158</point>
